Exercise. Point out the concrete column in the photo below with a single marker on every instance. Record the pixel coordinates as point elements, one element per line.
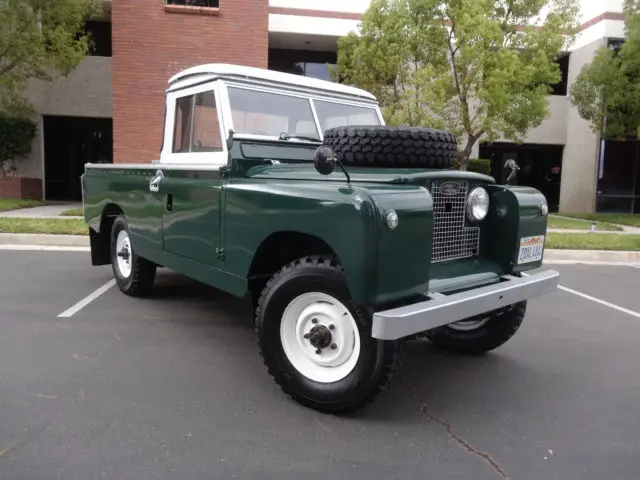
<point>581,152</point>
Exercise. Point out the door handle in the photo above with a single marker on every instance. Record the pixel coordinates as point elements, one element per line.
<point>154,184</point>
<point>169,202</point>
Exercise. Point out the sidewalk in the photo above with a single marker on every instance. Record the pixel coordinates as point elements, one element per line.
<point>45,211</point>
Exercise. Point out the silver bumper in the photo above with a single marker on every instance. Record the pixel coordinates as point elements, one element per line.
<point>442,309</point>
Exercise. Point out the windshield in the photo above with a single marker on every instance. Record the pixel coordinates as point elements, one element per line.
<point>331,114</point>
<point>265,113</point>
<point>272,114</point>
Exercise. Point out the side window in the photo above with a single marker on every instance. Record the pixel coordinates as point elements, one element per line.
<point>206,128</point>
<point>196,126</point>
<point>182,126</point>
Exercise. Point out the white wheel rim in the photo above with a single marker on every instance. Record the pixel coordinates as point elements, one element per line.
<point>467,325</point>
<point>334,333</point>
<point>123,254</point>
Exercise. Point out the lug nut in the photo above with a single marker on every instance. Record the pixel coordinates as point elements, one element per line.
<point>333,346</point>
<point>318,351</point>
<point>314,320</point>
<point>332,327</point>
<point>307,335</point>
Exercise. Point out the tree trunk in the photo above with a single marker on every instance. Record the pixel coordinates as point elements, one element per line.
<point>463,155</point>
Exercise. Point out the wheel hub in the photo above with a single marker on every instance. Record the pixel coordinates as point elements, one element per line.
<point>320,337</point>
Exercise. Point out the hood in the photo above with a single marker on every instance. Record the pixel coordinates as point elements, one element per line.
<point>307,172</point>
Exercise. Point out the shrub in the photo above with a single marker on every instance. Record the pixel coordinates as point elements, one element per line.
<point>478,165</point>
<point>16,137</point>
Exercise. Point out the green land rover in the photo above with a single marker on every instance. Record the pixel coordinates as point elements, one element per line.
<point>349,236</point>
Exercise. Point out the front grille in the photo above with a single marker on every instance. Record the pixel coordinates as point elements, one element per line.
<point>452,239</point>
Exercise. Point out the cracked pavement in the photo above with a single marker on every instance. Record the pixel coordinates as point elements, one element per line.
<point>173,387</point>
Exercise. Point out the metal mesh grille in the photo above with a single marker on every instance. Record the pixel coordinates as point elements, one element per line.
<point>452,240</point>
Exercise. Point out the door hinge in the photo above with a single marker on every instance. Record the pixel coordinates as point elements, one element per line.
<point>220,253</point>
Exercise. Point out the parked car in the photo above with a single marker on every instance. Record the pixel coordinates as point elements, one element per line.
<point>349,236</point>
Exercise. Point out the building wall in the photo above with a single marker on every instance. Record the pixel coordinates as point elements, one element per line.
<point>579,164</point>
<point>152,42</point>
<point>85,92</point>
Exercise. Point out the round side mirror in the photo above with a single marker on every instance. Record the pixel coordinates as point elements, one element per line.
<point>325,160</point>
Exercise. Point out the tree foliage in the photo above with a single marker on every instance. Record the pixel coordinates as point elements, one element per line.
<point>478,68</point>
<point>607,90</point>
<point>16,137</point>
<point>39,38</point>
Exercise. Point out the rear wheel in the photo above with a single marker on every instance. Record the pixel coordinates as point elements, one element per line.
<point>317,343</point>
<point>481,334</point>
<point>134,275</point>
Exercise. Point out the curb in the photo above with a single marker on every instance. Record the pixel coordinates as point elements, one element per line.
<point>34,239</point>
<point>29,241</point>
<point>604,256</point>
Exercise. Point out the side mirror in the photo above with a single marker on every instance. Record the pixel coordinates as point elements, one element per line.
<point>325,160</point>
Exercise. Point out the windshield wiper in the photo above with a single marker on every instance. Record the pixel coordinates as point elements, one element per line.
<point>286,136</point>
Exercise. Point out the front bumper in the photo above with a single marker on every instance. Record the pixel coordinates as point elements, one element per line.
<point>442,309</point>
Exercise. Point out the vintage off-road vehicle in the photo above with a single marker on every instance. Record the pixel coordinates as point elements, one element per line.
<point>348,235</point>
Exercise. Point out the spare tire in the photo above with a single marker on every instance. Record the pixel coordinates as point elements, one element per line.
<point>388,146</point>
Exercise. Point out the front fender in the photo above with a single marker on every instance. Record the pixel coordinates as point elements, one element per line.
<point>347,218</point>
<point>515,214</point>
<point>341,216</point>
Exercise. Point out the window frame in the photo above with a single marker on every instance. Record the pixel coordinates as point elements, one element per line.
<point>375,108</point>
<point>214,158</point>
<point>306,95</point>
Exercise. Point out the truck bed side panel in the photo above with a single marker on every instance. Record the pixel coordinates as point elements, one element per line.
<point>128,189</point>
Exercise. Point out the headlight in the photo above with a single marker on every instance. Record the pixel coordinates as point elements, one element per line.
<point>477,204</point>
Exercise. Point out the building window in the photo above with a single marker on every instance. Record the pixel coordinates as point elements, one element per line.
<point>308,63</point>
<point>99,33</point>
<point>619,177</point>
<point>196,3</point>
<point>560,88</point>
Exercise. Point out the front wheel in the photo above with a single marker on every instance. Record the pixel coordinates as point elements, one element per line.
<point>317,343</point>
<point>482,334</point>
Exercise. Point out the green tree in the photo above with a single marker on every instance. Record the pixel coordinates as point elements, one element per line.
<point>38,39</point>
<point>478,68</point>
<point>607,90</point>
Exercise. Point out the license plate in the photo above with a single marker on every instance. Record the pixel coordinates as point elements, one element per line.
<point>531,249</point>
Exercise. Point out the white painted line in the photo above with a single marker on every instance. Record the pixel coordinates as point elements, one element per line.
<point>44,248</point>
<point>594,299</point>
<point>601,302</point>
<point>71,311</point>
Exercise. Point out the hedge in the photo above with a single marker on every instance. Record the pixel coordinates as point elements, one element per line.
<point>478,165</point>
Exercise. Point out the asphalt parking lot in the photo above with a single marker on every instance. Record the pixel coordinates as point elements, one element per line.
<point>172,387</point>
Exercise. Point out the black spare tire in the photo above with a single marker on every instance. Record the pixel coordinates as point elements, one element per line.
<point>389,146</point>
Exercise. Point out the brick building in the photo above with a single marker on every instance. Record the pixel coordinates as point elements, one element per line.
<point>110,109</point>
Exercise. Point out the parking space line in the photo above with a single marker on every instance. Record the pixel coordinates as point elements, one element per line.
<point>601,302</point>
<point>71,311</point>
<point>594,299</point>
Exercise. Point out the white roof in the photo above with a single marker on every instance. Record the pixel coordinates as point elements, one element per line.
<point>223,70</point>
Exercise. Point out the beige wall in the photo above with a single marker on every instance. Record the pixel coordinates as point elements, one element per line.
<point>553,130</point>
<point>86,92</point>
<point>580,160</point>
